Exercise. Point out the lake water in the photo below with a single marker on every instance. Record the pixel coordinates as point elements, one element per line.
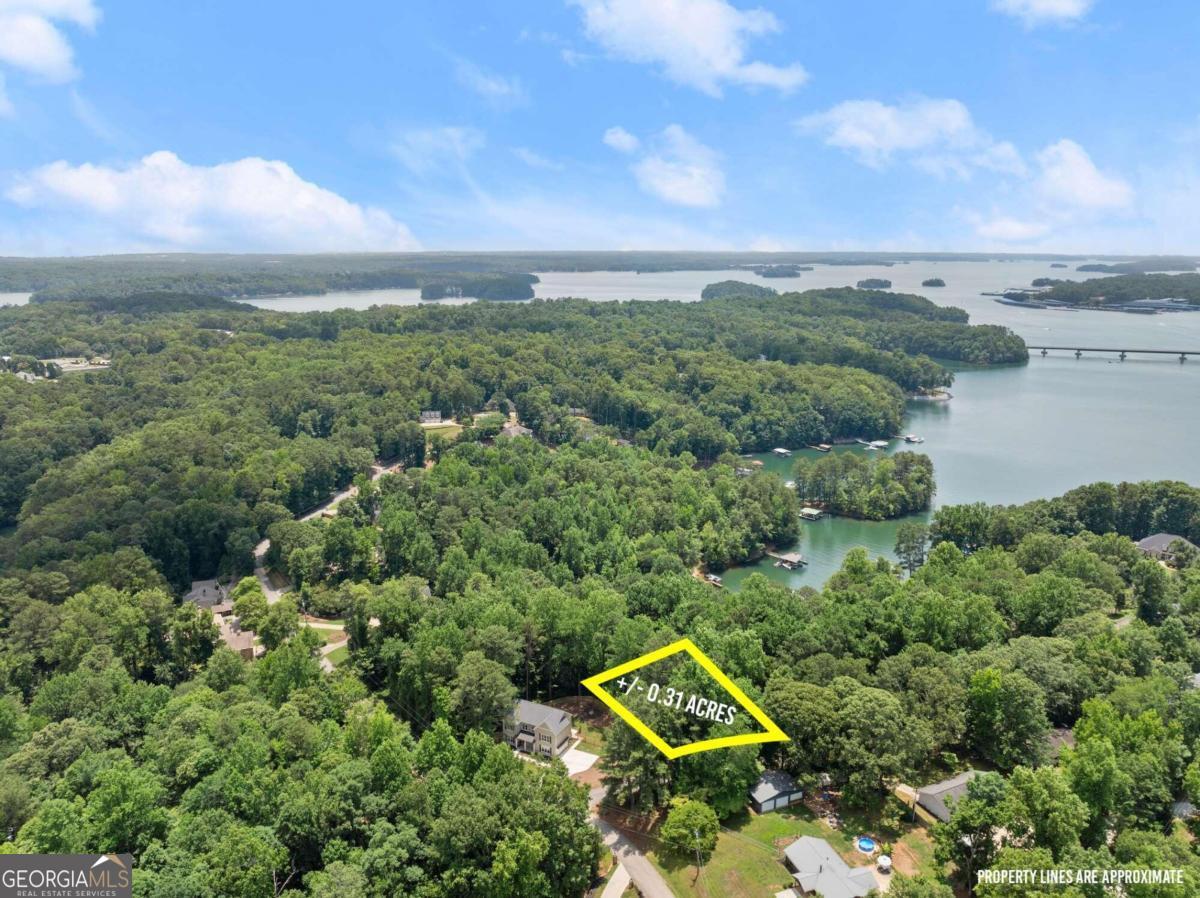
<point>14,299</point>
<point>1010,434</point>
<point>346,299</point>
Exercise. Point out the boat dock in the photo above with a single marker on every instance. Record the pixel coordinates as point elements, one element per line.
<point>811,514</point>
<point>789,561</point>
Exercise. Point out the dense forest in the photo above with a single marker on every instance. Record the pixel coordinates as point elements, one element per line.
<point>491,566</point>
<point>246,274</point>
<point>737,288</point>
<point>1127,288</point>
<point>481,286</point>
<point>273,411</point>
<point>381,779</point>
<point>1143,266</point>
<point>873,487</point>
<point>780,271</point>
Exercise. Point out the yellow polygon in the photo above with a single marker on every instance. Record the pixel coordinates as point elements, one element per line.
<point>772,733</point>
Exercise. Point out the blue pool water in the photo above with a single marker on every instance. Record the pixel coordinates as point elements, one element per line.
<point>866,845</point>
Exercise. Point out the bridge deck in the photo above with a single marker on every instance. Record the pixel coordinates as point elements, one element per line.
<point>1176,352</point>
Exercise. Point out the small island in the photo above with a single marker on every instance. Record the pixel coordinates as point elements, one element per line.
<point>858,486</point>
<point>931,282</point>
<point>780,271</point>
<point>874,284</point>
<point>737,288</point>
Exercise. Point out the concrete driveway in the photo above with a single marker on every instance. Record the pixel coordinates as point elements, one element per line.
<point>578,761</point>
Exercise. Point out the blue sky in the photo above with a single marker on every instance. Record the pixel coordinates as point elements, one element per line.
<point>1068,125</point>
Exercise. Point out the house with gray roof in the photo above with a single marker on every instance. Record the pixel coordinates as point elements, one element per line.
<point>515,430</point>
<point>819,870</point>
<point>773,791</point>
<point>537,729</point>
<point>1158,546</point>
<point>937,798</point>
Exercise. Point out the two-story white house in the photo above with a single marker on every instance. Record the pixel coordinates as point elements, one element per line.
<point>537,729</point>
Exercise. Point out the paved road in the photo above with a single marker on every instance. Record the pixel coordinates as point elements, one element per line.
<point>274,594</point>
<point>648,880</point>
<point>326,651</point>
<point>616,883</point>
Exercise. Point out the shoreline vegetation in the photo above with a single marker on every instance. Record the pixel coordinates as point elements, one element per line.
<point>873,488</point>
<point>1124,289</point>
<point>234,382</point>
<point>293,274</point>
<point>498,564</point>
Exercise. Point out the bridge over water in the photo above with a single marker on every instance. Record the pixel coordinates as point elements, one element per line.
<point>1181,354</point>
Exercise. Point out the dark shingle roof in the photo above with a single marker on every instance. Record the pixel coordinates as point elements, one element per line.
<point>935,796</point>
<point>1158,542</point>
<point>772,784</point>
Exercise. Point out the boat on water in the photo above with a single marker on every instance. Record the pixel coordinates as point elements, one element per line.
<point>938,395</point>
<point>788,561</point>
<point>913,438</point>
<point>822,447</point>
<point>782,453</point>
<point>1021,303</point>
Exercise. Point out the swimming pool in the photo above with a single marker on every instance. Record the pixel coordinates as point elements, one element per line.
<point>866,844</point>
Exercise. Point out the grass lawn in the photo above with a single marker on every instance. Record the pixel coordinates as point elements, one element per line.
<point>591,739</point>
<point>327,635</point>
<point>450,430</point>
<point>747,862</point>
<point>338,656</point>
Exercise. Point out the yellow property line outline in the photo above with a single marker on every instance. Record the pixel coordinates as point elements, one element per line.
<point>772,732</point>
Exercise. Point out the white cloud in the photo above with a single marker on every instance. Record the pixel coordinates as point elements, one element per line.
<point>1010,230</point>
<point>937,134</point>
<point>1069,176</point>
<point>681,170</point>
<point>1041,12</point>
<point>621,140</point>
<point>496,89</point>
<point>424,151</point>
<point>32,42</point>
<point>536,160</point>
<point>248,204</point>
<point>1068,195</point>
<point>699,43</point>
